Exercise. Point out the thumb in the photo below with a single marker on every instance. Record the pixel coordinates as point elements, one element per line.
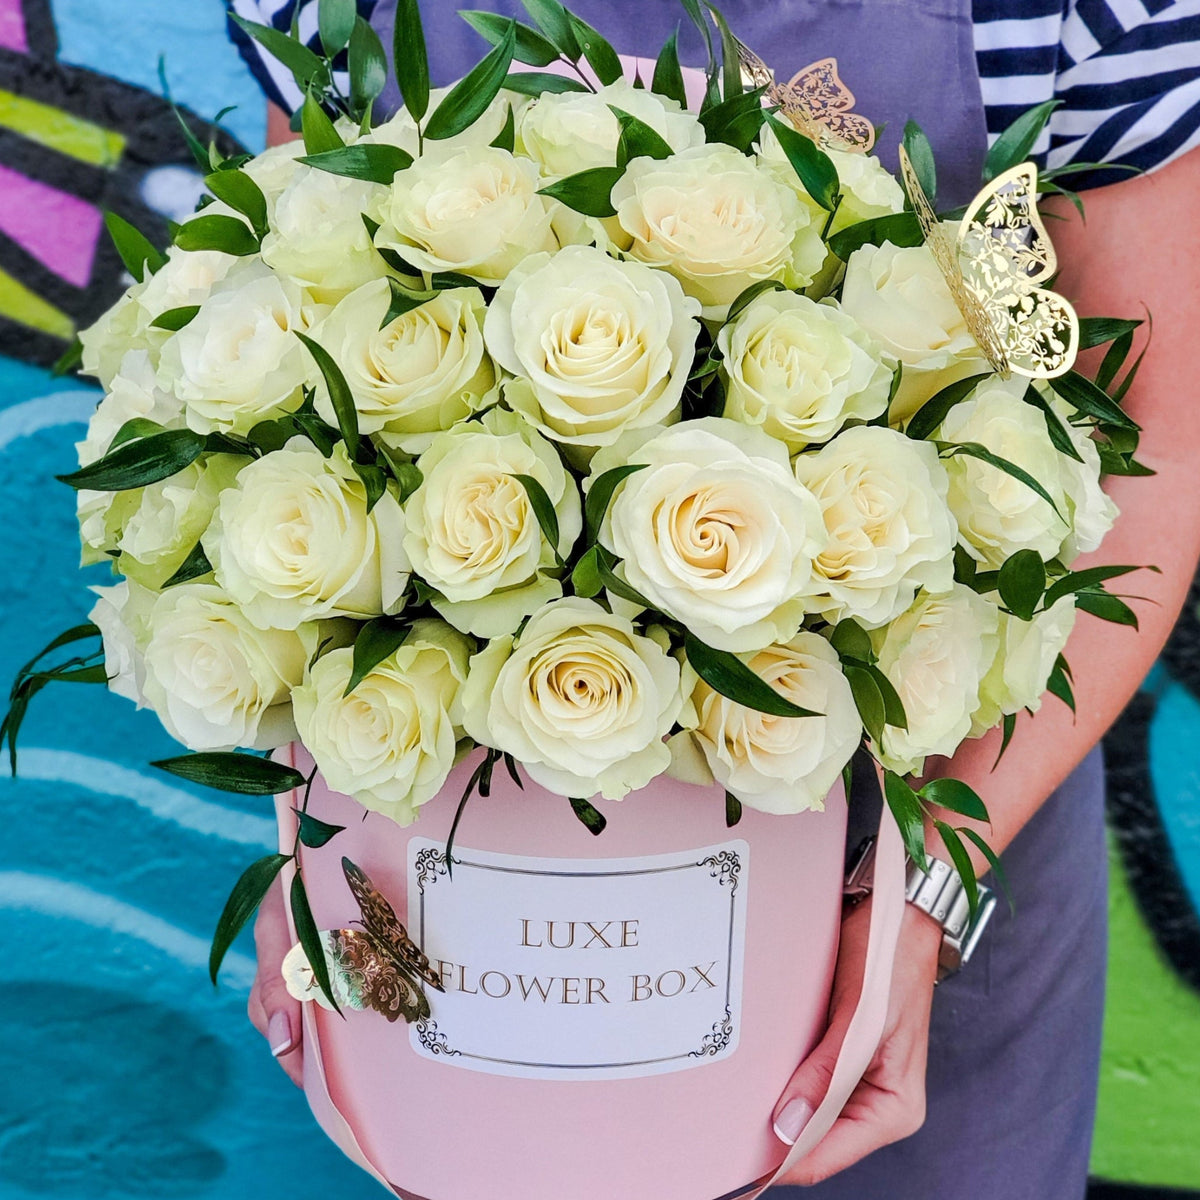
<point>273,1011</point>
<point>808,1086</point>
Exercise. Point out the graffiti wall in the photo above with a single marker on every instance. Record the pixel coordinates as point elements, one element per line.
<point>122,1073</point>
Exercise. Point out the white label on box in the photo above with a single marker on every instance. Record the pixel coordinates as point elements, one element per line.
<point>580,968</point>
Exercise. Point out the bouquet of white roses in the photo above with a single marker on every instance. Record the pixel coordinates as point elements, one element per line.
<point>553,419</point>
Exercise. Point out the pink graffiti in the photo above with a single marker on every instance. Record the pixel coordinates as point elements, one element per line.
<point>59,230</point>
<point>12,27</point>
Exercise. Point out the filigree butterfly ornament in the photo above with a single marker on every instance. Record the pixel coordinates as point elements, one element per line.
<point>993,269</point>
<point>377,967</point>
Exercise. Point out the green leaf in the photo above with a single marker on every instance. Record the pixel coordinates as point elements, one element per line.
<point>406,474</point>
<point>230,771</point>
<point>893,706</point>
<point>1059,683</point>
<point>377,640</point>
<point>1095,331</point>
<point>1086,398</point>
<point>1022,582</point>
<point>555,22</point>
<point>747,297</point>
<point>242,904</point>
<point>586,578</point>
<point>199,153</point>
<point>600,496</point>
<point>812,165</point>
<point>310,939</point>
<point>175,319</point>
<point>962,863</point>
<point>994,863</point>
<point>733,810</point>
<point>589,815</point>
<point>193,567</point>
<point>217,231</point>
<point>901,229</point>
<point>956,796</point>
<point>240,192</point>
<point>1090,577</point>
<point>92,674</point>
<point>731,67</point>
<point>339,392</point>
<point>535,83</point>
<point>368,66</point>
<point>531,47</point>
<point>1107,608</point>
<point>1012,147</point>
<point>601,57</point>
<point>637,140</point>
<point>1054,426</point>
<point>736,122</point>
<point>1114,359</point>
<point>135,249</point>
<point>727,674</point>
<point>543,509</point>
<point>868,699</point>
<point>76,633</point>
<point>712,92</point>
<point>975,450</point>
<point>404,300</point>
<point>69,360</point>
<point>668,75</point>
<point>374,163</point>
<point>315,833</point>
<point>140,463</point>
<point>920,154</point>
<point>1125,384</point>
<point>306,67</point>
<point>906,808</point>
<point>319,134</point>
<point>1009,726</point>
<point>587,191</point>
<point>934,411</point>
<point>374,480</point>
<point>468,99</point>
<point>506,139</point>
<point>411,58</point>
<point>335,23</point>
<point>851,640</point>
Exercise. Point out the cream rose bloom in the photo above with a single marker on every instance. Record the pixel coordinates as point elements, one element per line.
<point>901,299</point>
<point>1018,675</point>
<point>717,533</point>
<point>214,679</point>
<point>774,764</point>
<point>800,370</point>
<point>417,376</point>
<point>238,361</point>
<point>718,222</point>
<point>391,742</point>
<point>1092,512</point>
<point>317,236</point>
<point>473,209</point>
<point>936,656</point>
<point>580,699</point>
<point>292,541</point>
<point>276,167</point>
<point>472,533</point>
<point>883,499</point>
<point>997,514</point>
<point>597,346</point>
<point>121,613</point>
<point>570,132</point>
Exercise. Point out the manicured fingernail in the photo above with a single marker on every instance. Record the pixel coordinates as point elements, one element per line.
<point>279,1033</point>
<point>790,1123</point>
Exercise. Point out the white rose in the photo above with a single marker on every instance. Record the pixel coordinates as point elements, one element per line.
<point>936,656</point>
<point>900,297</point>
<point>1091,511</point>
<point>170,517</point>
<point>390,743</point>
<point>1018,675</point>
<point>883,498</point>
<point>718,222</point>
<point>473,209</point>
<point>215,680</point>
<point>276,167</point>
<point>570,132</point>
<point>472,532</point>
<point>777,764</point>
<point>717,533</point>
<point>800,370</point>
<point>121,613</point>
<point>424,371</point>
<point>317,236</point>
<point>188,277</point>
<point>581,700</point>
<point>238,361</point>
<point>598,346</point>
<point>293,541</point>
<point>997,514</point>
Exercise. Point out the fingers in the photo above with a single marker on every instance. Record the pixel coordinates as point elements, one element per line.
<point>272,1010</point>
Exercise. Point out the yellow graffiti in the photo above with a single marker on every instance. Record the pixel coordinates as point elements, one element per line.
<point>61,131</point>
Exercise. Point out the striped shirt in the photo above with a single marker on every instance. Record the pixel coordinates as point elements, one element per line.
<point>1126,74</point>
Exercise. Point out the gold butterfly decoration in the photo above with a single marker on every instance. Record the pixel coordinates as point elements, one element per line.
<point>993,269</point>
<point>378,967</point>
<point>815,101</point>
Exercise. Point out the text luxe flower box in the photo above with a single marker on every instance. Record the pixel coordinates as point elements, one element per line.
<point>619,1014</point>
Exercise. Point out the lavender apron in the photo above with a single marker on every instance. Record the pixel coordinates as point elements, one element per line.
<point>1015,1039</point>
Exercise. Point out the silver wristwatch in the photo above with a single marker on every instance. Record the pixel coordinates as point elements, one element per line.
<point>938,892</point>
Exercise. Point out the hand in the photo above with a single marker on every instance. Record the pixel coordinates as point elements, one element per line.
<point>889,1102</point>
<point>272,1010</point>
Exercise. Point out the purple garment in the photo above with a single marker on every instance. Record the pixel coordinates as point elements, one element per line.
<point>1014,1049</point>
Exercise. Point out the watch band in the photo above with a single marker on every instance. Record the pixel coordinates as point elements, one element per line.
<point>939,893</point>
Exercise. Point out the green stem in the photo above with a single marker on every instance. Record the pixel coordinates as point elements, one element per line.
<point>837,203</point>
